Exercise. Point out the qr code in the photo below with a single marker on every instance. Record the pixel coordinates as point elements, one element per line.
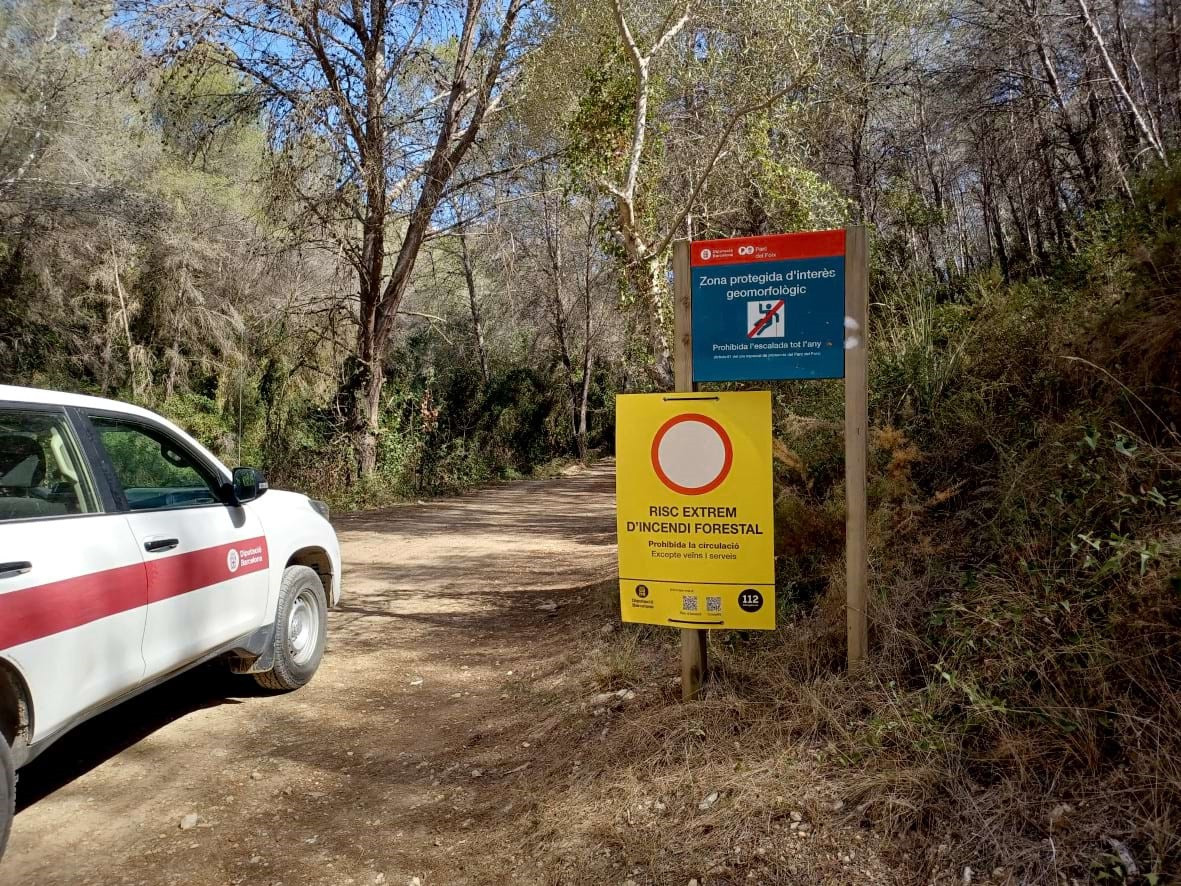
<point>713,604</point>
<point>689,602</point>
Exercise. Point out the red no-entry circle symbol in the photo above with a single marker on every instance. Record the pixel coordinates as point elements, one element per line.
<point>692,454</point>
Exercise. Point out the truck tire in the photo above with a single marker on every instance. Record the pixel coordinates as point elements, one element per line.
<point>301,629</point>
<point>7,793</point>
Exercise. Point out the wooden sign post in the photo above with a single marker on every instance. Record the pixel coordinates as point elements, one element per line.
<point>694,643</point>
<point>856,447</point>
<point>771,308</point>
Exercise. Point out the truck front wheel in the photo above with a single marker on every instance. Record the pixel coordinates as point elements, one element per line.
<point>301,629</point>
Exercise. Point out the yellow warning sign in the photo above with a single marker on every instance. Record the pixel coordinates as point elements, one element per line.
<point>694,509</point>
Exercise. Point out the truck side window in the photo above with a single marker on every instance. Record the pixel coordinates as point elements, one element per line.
<point>41,474</point>
<point>152,468</point>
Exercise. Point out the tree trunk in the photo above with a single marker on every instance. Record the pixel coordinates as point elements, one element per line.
<point>1077,140</point>
<point>469,276</point>
<point>1143,129</point>
<point>650,281</point>
<point>555,271</point>
<point>139,381</point>
<point>646,271</point>
<point>860,125</point>
<point>364,388</point>
<point>1174,32</point>
<point>992,214</point>
<point>961,234</point>
<point>587,347</point>
<point>582,430</point>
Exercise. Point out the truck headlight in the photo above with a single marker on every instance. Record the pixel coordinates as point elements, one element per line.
<point>320,507</point>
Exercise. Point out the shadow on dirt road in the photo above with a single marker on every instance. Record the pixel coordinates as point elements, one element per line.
<point>109,734</point>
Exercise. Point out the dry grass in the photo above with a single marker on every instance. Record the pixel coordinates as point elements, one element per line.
<point>667,792</point>
<point>886,772</point>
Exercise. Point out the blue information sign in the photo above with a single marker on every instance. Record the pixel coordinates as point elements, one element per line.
<point>769,307</point>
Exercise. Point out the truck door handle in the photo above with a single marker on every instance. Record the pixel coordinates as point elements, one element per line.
<point>17,567</point>
<point>155,545</point>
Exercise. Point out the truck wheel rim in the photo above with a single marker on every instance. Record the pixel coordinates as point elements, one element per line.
<point>303,628</point>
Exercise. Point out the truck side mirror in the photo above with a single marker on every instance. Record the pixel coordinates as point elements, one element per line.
<point>249,484</point>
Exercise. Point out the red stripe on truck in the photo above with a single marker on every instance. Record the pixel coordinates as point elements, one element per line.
<point>182,573</point>
<point>43,610</point>
<point>46,609</point>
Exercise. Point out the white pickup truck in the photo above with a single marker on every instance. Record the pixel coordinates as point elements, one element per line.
<point>129,553</point>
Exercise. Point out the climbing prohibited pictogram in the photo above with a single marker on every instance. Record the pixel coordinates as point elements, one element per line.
<point>765,319</point>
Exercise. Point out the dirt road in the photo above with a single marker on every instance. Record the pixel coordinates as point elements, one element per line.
<point>400,759</point>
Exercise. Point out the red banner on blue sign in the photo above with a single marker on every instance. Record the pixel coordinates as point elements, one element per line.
<point>770,247</point>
